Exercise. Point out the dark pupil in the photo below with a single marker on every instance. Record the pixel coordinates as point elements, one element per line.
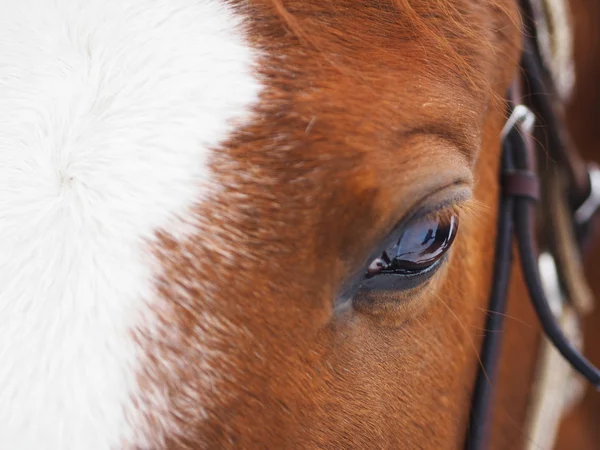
<point>422,244</point>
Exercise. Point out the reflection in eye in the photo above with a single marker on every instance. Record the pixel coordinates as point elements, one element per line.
<point>423,242</point>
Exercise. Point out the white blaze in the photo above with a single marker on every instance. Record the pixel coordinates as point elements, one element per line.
<point>108,112</point>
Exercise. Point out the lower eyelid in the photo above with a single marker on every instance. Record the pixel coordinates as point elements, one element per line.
<point>362,289</point>
<point>401,283</point>
<point>394,299</point>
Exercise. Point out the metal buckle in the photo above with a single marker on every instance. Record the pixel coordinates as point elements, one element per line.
<point>592,203</point>
<point>521,115</point>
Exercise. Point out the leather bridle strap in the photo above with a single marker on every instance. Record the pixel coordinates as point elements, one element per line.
<point>490,351</point>
<point>520,189</point>
<point>523,155</point>
<point>523,217</point>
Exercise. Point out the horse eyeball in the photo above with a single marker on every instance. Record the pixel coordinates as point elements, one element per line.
<point>422,243</point>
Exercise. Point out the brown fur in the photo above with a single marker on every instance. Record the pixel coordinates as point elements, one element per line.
<point>369,107</point>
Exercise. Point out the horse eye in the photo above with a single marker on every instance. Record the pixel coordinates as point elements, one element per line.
<point>421,245</point>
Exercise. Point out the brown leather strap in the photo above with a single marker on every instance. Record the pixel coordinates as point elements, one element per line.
<point>521,183</point>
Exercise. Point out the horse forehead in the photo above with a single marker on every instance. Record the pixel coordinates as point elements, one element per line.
<point>369,72</point>
<point>114,112</point>
<point>110,111</point>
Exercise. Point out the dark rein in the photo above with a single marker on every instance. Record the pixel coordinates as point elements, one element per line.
<point>520,190</point>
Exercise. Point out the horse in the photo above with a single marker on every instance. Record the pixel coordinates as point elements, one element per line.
<point>314,274</point>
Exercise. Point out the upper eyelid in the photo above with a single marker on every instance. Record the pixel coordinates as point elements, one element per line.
<point>425,207</point>
<point>448,136</point>
<point>456,208</point>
